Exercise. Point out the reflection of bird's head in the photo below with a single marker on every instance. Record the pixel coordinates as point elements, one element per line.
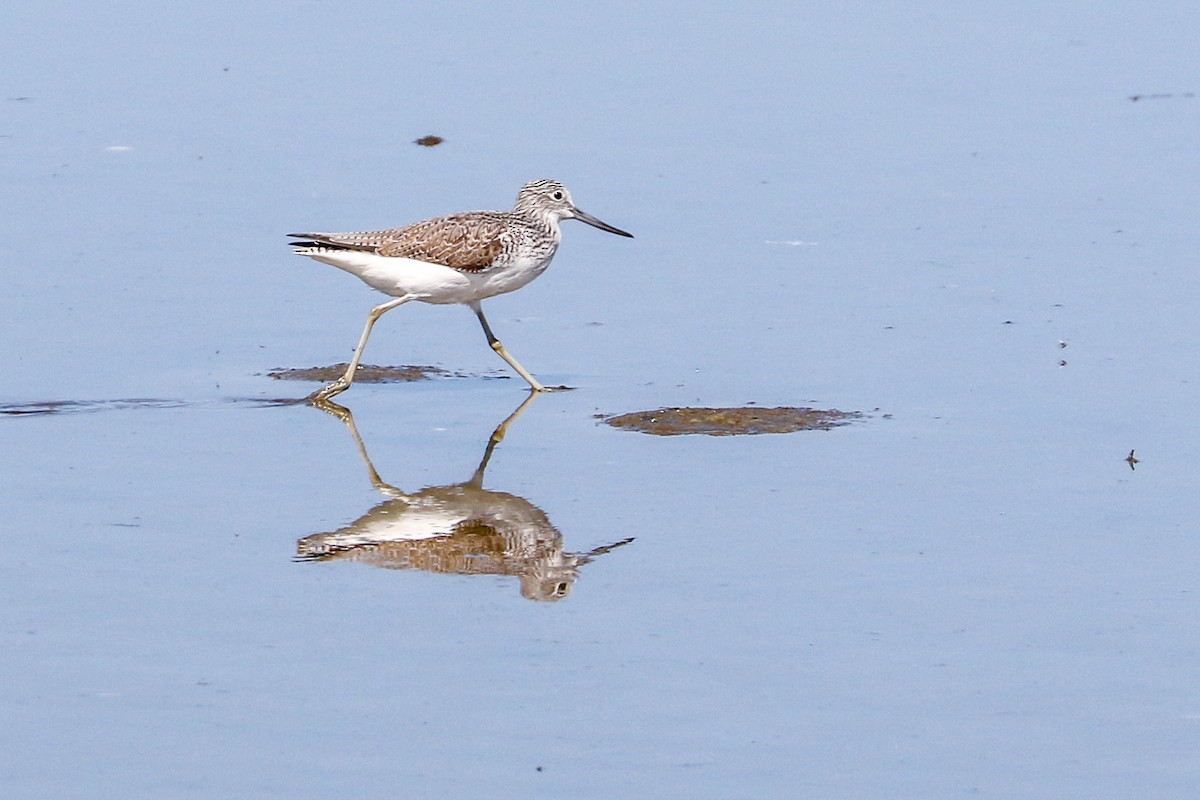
<point>544,587</point>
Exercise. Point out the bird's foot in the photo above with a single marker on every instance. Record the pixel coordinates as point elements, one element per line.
<point>325,393</point>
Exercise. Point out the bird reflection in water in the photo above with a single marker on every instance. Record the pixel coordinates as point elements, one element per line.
<point>462,529</point>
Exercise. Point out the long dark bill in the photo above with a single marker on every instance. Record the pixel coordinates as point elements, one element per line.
<point>595,223</point>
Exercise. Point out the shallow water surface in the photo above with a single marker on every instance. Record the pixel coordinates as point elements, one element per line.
<point>957,220</point>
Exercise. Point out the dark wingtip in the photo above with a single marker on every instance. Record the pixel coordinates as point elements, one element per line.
<point>308,240</point>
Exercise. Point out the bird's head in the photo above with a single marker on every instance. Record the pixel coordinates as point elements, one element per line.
<point>550,200</point>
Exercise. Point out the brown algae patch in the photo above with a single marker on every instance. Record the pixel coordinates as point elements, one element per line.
<point>367,373</point>
<point>744,421</point>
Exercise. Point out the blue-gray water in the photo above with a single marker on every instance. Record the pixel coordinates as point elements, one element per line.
<point>904,210</point>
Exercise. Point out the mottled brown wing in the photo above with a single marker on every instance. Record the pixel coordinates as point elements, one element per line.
<point>470,242</point>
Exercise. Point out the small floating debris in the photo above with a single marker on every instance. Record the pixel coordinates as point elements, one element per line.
<point>430,141</point>
<point>1161,96</point>
<point>745,421</point>
<point>370,373</point>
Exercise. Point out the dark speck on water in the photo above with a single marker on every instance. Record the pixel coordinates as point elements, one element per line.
<point>430,141</point>
<point>1160,96</point>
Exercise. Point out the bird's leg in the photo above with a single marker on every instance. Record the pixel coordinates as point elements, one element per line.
<point>343,383</point>
<point>500,351</point>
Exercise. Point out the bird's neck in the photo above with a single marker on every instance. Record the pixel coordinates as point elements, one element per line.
<point>542,221</point>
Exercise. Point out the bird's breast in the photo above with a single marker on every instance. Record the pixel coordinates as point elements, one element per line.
<point>519,266</point>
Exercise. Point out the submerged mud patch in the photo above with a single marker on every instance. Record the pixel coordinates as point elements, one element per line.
<point>44,408</point>
<point>77,406</point>
<point>371,373</point>
<point>744,421</point>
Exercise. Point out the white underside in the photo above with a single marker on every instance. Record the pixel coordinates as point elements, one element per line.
<point>411,525</point>
<point>429,283</point>
<point>441,511</point>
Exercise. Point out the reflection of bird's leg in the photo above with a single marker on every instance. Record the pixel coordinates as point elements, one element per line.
<point>500,351</point>
<point>343,413</point>
<point>336,410</point>
<point>498,437</point>
<point>343,383</point>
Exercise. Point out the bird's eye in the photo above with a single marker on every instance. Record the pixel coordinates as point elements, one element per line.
<point>558,195</point>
